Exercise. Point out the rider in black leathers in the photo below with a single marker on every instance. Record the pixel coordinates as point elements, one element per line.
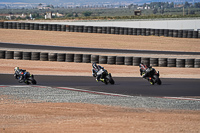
<point>97,72</point>
<point>19,74</point>
<point>145,70</point>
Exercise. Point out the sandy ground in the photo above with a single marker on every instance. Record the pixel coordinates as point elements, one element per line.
<point>19,116</point>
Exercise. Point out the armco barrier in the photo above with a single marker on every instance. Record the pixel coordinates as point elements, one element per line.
<point>101,59</point>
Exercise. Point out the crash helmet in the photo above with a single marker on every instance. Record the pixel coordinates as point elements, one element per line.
<point>16,68</point>
<point>95,66</point>
<point>143,66</point>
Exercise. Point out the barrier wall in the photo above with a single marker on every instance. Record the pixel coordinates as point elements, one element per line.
<point>102,30</point>
<point>101,59</point>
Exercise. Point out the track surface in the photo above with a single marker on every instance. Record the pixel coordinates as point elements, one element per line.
<point>125,86</point>
<point>77,49</point>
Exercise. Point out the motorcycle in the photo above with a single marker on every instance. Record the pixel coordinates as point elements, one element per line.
<point>107,77</point>
<point>28,78</point>
<point>153,76</point>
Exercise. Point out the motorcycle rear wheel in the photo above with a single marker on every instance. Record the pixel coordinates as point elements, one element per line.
<point>111,79</point>
<point>159,81</point>
<point>34,82</point>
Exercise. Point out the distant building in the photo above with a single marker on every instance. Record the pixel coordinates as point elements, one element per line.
<point>48,15</point>
<point>137,12</point>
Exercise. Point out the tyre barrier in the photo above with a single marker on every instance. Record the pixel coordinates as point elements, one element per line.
<point>134,31</point>
<point>2,54</point>
<point>78,58</point>
<point>180,62</point>
<point>130,31</point>
<point>14,25</point>
<point>189,63</point>
<point>125,31</point>
<point>45,27</point>
<point>18,26</point>
<point>162,62</point>
<point>27,26</point>
<point>136,61</point>
<point>99,29</point>
<point>9,25</point>
<point>1,25</point>
<point>190,34</point>
<point>5,25</point>
<point>139,31</point>
<point>86,58</point>
<point>94,58</point>
<point>44,57</point>
<point>40,26</point>
<point>85,29</point>
<point>180,33</point>
<point>166,32</point>
<point>175,33</point>
<point>148,32</point>
<point>35,56</point>
<point>36,26</point>
<point>121,31</point>
<point>145,60</point>
<point>61,57</point>
<point>26,56</point>
<point>18,55</point>
<point>94,30</point>
<point>9,55</point>
<point>128,61</point>
<point>54,27</point>
<point>152,32</point>
<point>161,32</point>
<point>171,62</point>
<point>31,26</point>
<point>67,28</point>
<point>49,27</point>
<point>156,32</point>
<point>90,29</point>
<point>59,28</point>
<point>170,34</point>
<point>117,30</point>
<point>108,29</point>
<point>195,34</point>
<point>153,62</point>
<point>196,63</point>
<point>69,57</point>
<point>143,32</point>
<point>112,30</point>
<point>185,33</point>
<point>52,56</point>
<point>104,30</point>
<point>71,28</point>
<point>101,59</point>
<point>120,60</point>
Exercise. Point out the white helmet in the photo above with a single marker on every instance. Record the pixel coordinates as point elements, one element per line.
<point>16,68</point>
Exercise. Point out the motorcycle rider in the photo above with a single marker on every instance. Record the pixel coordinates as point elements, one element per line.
<point>19,74</point>
<point>97,71</point>
<point>144,70</point>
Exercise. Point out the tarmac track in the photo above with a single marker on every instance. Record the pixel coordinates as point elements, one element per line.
<point>78,49</point>
<point>123,85</point>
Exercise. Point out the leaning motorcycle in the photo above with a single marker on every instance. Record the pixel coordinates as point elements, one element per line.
<point>28,78</point>
<point>153,76</point>
<point>107,77</point>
